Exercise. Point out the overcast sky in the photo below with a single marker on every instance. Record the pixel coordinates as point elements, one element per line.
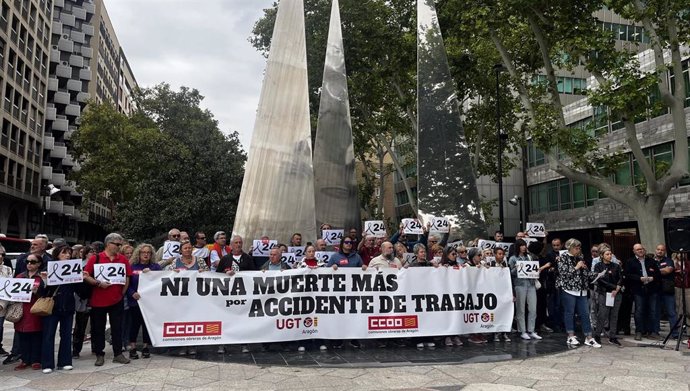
<point>200,44</point>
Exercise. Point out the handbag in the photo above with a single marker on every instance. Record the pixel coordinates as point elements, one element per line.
<point>15,311</point>
<point>44,305</point>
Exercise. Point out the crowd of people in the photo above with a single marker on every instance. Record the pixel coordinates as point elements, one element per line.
<point>598,291</point>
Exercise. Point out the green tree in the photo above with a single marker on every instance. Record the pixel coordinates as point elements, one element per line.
<point>166,166</point>
<point>535,36</point>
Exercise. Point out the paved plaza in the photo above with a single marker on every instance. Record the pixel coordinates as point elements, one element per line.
<point>636,366</point>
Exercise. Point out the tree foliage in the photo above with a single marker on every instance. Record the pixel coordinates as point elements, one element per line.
<point>168,165</point>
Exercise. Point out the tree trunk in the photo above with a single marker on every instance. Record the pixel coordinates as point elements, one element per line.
<point>382,182</point>
<point>650,223</point>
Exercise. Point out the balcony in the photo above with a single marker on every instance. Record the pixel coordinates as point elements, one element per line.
<point>62,97</point>
<point>68,134</point>
<point>65,44</point>
<point>58,179</point>
<point>47,173</point>
<point>85,74</point>
<point>68,161</point>
<point>78,36</point>
<point>57,26</point>
<point>68,19</point>
<point>73,110</point>
<point>74,85</point>
<point>54,54</point>
<point>87,52</point>
<point>48,141</point>
<point>58,152</point>
<point>59,3</point>
<point>88,29</point>
<point>83,97</point>
<point>54,206</point>
<point>79,13</point>
<point>64,70</point>
<point>89,7</point>
<point>51,112</point>
<point>76,60</point>
<point>52,84</point>
<point>60,124</point>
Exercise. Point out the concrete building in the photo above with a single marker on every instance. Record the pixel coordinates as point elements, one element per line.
<point>56,55</point>
<point>24,49</point>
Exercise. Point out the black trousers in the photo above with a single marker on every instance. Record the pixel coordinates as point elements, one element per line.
<point>98,320</point>
<point>624,313</point>
<point>541,309</point>
<point>81,320</point>
<point>30,345</point>
<point>136,322</point>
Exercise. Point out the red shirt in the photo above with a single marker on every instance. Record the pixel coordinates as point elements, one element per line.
<point>105,297</point>
<point>368,254</point>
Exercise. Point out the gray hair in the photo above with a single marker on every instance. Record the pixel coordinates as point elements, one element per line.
<point>136,257</point>
<point>417,247</point>
<point>235,237</point>
<point>217,235</point>
<point>113,236</point>
<point>572,243</point>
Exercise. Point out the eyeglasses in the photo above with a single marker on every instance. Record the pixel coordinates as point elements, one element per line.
<point>118,244</point>
<point>347,242</point>
<point>202,238</point>
<point>32,262</point>
<point>462,251</point>
<point>453,254</point>
<point>144,252</point>
<point>175,236</point>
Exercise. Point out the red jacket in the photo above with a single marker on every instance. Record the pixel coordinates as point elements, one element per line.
<point>29,322</point>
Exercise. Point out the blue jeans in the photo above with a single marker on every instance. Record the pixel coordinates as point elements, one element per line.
<point>668,303</point>
<point>50,324</point>
<point>570,305</point>
<point>645,312</point>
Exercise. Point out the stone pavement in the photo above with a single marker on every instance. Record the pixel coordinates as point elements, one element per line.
<point>609,368</point>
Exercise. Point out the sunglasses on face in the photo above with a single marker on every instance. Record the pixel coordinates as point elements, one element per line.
<point>32,262</point>
<point>202,238</point>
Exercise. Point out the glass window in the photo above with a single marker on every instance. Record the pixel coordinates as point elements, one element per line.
<point>564,185</point>
<point>622,175</point>
<point>560,83</point>
<point>592,195</point>
<point>568,89</point>
<point>553,196</point>
<point>578,195</point>
<point>663,158</point>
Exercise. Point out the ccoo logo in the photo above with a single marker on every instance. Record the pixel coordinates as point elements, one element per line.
<point>191,329</point>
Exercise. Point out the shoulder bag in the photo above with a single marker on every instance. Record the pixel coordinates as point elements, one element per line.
<point>15,311</point>
<point>44,305</point>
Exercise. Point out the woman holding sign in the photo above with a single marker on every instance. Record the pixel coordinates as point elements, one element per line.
<point>524,281</point>
<point>63,313</point>
<point>29,328</point>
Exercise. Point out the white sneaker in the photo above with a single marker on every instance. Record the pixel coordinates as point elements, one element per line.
<point>221,350</point>
<point>66,368</point>
<point>592,342</point>
<point>420,346</point>
<point>301,349</point>
<point>506,337</point>
<point>534,335</point>
<point>525,336</point>
<point>245,349</point>
<point>448,341</point>
<point>497,338</point>
<point>47,370</point>
<point>430,345</point>
<point>323,348</point>
<point>573,341</point>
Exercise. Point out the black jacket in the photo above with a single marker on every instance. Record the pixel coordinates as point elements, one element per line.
<point>226,263</point>
<point>609,281</point>
<point>633,272</point>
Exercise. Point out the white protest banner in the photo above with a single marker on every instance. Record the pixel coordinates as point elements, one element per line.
<point>535,230</point>
<point>297,250</point>
<point>485,244</point>
<point>299,304</point>
<point>289,259</point>
<point>375,228</point>
<point>261,247</point>
<point>114,273</point>
<point>412,227</point>
<point>440,225</point>
<point>171,249</point>
<point>409,258</point>
<point>65,272</point>
<point>16,289</point>
<point>527,269</point>
<point>505,246</point>
<point>332,236</point>
<point>529,240</point>
<point>323,256</point>
<point>436,260</point>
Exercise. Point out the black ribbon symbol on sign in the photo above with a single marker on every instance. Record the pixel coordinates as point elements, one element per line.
<point>55,273</point>
<point>101,274</point>
<point>4,288</point>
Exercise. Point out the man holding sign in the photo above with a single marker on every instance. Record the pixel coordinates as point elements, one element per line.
<point>106,297</point>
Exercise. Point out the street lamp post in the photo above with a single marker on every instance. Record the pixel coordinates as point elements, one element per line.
<point>47,192</point>
<point>498,68</point>
<point>517,200</point>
